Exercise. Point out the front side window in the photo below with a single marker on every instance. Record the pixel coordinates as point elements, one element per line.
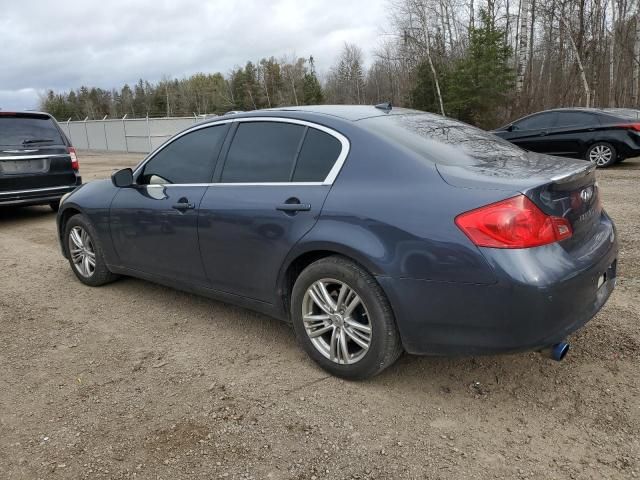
<point>188,159</point>
<point>544,120</point>
<point>262,152</point>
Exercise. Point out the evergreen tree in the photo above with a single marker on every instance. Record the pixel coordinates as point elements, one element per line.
<point>311,89</point>
<point>483,79</point>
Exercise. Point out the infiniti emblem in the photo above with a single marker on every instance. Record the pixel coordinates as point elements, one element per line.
<point>586,194</point>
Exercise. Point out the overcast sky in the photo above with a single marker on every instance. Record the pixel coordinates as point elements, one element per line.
<point>60,45</point>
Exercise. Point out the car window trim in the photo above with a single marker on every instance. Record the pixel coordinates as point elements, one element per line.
<point>329,179</point>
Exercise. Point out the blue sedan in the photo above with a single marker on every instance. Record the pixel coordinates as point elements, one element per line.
<point>372,230</point>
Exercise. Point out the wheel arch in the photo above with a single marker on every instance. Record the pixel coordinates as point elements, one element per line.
<point>63,218</point>
<point>301,258</point>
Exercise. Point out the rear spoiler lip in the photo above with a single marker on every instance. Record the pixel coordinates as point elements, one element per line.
<point>574,174</point>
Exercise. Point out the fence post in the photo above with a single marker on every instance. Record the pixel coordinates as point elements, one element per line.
<point>86,133</point>
<point>124,128</point>
<point>104,129</point>
<point>149,133</point>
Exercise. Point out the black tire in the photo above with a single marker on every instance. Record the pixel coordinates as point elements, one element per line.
<point>100,275</point>
<point>55,206</point>
<point>607,157</point>
<point>384,343</point>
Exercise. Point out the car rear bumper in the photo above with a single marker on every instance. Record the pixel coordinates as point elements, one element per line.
<point>522,312</point>
<point>36,196</point>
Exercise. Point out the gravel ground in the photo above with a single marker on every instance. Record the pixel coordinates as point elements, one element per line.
<point>134,380</point>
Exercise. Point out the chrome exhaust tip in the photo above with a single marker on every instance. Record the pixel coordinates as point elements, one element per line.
<point>559,351</point>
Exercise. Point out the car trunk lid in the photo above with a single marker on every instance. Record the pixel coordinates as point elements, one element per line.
<point>559,187</point>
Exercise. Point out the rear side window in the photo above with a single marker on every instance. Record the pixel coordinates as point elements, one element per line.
<point>28,131</point>
<point>188,159</point>
<point>262,152</point>
<point>318,155</point>
<point>570,119</point>
<point>543,120</point>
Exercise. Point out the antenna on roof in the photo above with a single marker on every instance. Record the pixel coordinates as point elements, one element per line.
<point>384,106</point>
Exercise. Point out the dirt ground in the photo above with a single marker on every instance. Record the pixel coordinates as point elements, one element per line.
<point>134,380</point>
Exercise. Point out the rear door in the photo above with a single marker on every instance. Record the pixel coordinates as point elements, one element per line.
<point>33,153</point>
<point>154,225</point>
<point>270,192</point>
<point>531,133</point>
<point>573,132</point>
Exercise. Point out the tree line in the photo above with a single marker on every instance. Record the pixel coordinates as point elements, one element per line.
<point>481,61</point>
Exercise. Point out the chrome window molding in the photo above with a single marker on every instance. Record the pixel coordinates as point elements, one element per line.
<point>330,178</point>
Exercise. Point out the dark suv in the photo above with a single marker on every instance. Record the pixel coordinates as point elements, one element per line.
<point>38,165</point>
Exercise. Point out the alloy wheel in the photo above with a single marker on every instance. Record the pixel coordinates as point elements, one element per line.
<point>82,251</point>
<point>600,155</point>
<point>336,320</point>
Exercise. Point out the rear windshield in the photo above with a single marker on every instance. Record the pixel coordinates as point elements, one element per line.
<point>441,139</point>
<point>28,131</point>
<point>626,113</point>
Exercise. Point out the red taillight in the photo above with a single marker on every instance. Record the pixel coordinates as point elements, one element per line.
<point>513,223</point>
<point>74,158</point>
<point>631,126</point>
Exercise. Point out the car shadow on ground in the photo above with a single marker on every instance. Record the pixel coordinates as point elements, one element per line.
<point>8,214</point>
<point>460,375</point>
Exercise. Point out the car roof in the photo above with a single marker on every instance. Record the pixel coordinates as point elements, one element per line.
<point>346,112</point>
<point>25,113</point>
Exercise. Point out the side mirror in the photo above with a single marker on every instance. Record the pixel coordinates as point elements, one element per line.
<point>122,178</point>
<point>510,128</point>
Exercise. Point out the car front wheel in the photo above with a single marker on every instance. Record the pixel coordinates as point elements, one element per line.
<point>343,320</point>
<point>85,252</point>
<point>602,154</point>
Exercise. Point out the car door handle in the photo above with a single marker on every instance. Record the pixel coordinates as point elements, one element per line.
<point>183,206</point>
<point>294,207</point>
<point>542,134</point>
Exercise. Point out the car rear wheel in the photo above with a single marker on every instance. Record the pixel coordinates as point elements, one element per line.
<point>343,320</point>
<point>85,253</point>
<point>602,154</point>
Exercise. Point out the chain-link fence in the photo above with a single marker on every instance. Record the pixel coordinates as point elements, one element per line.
<point>139,135</point>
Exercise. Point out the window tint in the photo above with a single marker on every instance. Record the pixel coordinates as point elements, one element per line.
<point>544,120</point>
<point>15,130</point>
<point>189,159</point>
<point>318,155</point>
<point>567,119</point>
<point>262,152</point>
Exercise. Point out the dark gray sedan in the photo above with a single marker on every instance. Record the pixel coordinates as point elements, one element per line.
<point>373,230</point>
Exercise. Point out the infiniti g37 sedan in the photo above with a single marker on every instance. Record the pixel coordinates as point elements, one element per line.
<point>372,230</point>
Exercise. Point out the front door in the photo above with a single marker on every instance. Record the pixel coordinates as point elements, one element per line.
<point>154,224</point>
<point>270,194</point>
<point>532,133</point>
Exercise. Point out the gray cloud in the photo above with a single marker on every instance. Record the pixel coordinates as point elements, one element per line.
<point>63,45</point>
